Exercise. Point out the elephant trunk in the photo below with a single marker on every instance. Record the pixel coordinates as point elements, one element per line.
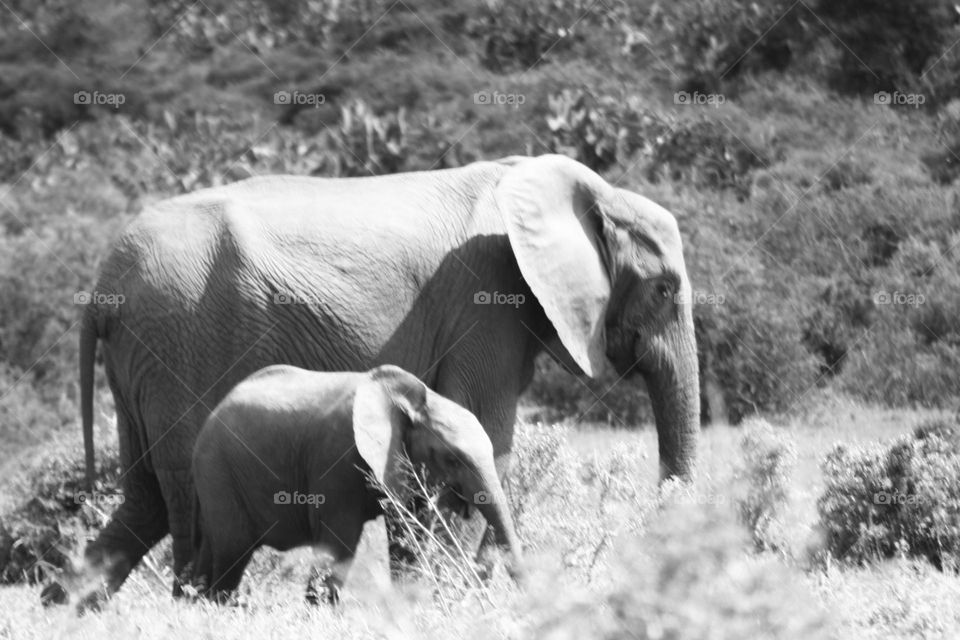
<point>492,503</point>
<point>674,388</point>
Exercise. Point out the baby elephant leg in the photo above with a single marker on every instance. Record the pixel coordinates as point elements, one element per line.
<point>326,579</point>
<point>335,548</point>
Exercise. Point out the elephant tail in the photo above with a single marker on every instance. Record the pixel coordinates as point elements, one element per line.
<point>88,352</point>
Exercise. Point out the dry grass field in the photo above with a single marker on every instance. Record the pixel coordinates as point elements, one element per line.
<point>609,557</point>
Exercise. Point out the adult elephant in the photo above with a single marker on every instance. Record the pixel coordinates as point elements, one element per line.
<point>461,276</point>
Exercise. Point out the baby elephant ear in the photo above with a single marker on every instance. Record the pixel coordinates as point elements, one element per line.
<point>385,406</point>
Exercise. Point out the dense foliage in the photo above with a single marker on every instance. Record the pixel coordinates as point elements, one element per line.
<point>820,230</point>
<point>899,498</point>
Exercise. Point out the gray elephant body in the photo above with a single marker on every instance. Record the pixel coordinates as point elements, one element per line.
<point>349,274</point>
<point>287,457</point>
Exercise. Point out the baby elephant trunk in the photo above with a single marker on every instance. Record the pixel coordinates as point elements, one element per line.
<point>492,503</point>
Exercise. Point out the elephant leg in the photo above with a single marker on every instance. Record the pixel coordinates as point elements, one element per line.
<point>227,572</point>
<point>487,550</point>
<point>177,489</point>
<point>137,525</point>
<point>335,548</point>
<point>403,558</point>
<point>202,571</point>
<point>327,579</point>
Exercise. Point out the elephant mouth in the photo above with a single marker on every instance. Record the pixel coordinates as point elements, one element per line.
<point>623,349</point>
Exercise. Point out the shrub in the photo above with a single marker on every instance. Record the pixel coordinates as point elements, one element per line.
<point>764,472</point>
<point>686,577</point>
<point>197,29</point>
<point>710,41</point>
<point>515,36</point>
<point>884,46</point>
<point>836,320</point>
<point>599,132</point>
<point>26,417</point>
<point>900,498</point>
<point>608,399</point>
<point>706,153</point>
<point>39,311</point>
<point>941,161</point>
<point>757,353</point>
<point>602,131</point>
<point>48,513</point>
<point>370,144</point>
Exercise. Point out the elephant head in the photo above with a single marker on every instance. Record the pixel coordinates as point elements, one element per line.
<point>607,267</point>
<point>394,412</point>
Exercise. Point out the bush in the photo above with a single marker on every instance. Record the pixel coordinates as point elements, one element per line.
<point>26,417</point>
<point>707,154</point>
<point>606,400</point>
<point>198,29</point>
<point>602,131</point>
<point>516,36</point>
<point>710,41</point>
<point>686,577</point>
<point>885,46</point>
<point>48,514</point>
<point>599,132</point>
<point>39,273</point>
<point>756,352</point>
<point>901,498</point>
<point>764,472</point>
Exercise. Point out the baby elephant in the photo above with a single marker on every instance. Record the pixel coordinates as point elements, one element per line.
<point>283,461</point>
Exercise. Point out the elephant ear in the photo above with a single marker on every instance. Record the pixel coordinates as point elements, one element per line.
<point>386,405</point>
<point>552,209</point>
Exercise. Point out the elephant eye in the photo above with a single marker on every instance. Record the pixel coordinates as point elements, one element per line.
<point>664,291</point>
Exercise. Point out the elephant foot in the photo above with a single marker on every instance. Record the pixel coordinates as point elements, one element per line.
<point>322,589</point>
<point>183,583</point>
<point>93,602</point>
<point>54,594</point>
<point>230,599</point>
